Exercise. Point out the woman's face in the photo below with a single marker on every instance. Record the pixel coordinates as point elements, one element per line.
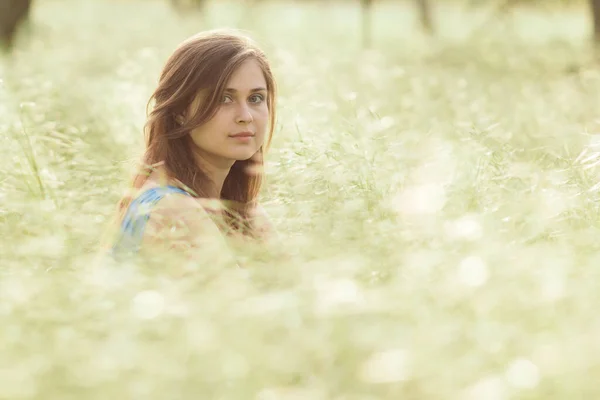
<point>237,131</point>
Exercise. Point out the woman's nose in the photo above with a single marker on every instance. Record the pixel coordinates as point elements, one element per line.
<point>244,116</point>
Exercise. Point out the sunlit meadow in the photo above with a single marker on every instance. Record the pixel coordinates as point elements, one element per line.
<point>436,201</point>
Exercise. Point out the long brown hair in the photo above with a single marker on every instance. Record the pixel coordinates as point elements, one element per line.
<point>202,64</point>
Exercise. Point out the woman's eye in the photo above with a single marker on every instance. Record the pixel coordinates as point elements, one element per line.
<point>227,99</point>
<point>257,98</point>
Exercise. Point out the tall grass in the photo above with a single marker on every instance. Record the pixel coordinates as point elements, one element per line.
<point>436,200</point>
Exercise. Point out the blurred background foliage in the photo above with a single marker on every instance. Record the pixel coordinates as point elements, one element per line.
<point>436,191</point>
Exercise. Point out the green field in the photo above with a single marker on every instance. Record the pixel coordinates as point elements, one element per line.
<point>437,202</point>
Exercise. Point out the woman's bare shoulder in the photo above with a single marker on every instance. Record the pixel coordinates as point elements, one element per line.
<point>179,208</point>
<point>262,223</point>
<point>178,221</point>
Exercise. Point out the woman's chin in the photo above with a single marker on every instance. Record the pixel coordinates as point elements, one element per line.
<point>243,155</point>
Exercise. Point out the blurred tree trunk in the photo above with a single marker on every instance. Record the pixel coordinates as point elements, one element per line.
<point>366,12</point>
<point>424,7</point>
<point>595,5</point>
<point>12,14</point>
<point>185,5</point>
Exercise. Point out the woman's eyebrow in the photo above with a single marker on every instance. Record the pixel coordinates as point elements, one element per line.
<point>258,89</point>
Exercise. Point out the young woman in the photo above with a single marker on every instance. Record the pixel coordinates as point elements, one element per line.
<point>206,135</point>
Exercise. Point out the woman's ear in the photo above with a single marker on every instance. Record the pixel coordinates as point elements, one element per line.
<point>180,119</point>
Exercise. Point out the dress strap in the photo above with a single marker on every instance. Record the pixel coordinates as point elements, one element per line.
<point>132,227</point>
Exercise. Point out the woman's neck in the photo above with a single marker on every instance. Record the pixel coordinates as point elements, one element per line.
<point>216,170</point>
<point>215,173</point>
